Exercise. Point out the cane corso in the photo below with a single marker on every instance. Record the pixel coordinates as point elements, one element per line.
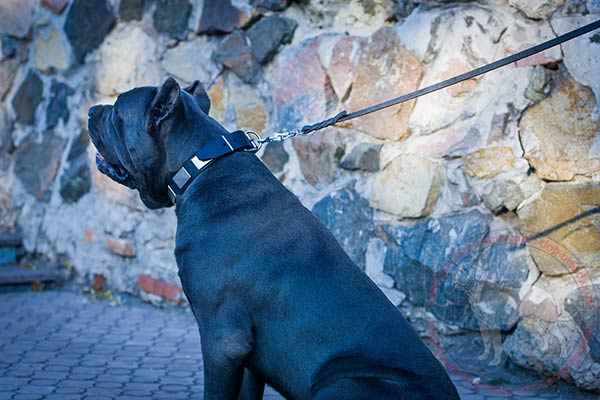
<point>276,299</point>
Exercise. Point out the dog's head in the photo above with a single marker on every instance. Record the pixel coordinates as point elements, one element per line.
<point>148,133</point>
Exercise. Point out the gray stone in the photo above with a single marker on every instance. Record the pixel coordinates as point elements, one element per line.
<point>58,108</point>
<point>36,164</point>
<point>76,180</point>
<point>275,157</point>
<point>403,8</point>
<point>350,219</point>
<point>539,87</point>
<point>131,10</point>
<point>15,17</point>
<point>172,16</point>
<point>235,53</point>
<point>425,261</point>
<point>8,72</point>
<point>218,16</point>
<point>268,34</point>
<point>273,5</point>
<point>9,46</point>
<point>27,98</point>
<point>86,25</point>
<point>363,157</point>
<point>5,131</point>
<point>584,306</point>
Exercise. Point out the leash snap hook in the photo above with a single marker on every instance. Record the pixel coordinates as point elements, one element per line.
<point>255,139</point>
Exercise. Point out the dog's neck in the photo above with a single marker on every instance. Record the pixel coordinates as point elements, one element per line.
<point>228,183</point>
<point>194,135</point>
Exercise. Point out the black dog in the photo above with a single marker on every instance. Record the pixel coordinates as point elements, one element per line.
<point>276,298</point>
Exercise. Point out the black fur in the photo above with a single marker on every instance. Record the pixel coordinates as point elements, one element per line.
<point>276,298</point>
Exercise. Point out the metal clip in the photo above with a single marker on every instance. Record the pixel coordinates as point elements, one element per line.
<point>255,140</point>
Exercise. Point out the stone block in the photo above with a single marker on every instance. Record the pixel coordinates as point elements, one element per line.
<point>51,53</point>
<point>160,288</point>
<point>15,17</point>
<point>172,17</point>
<point>87,24</point>
<point>27,98</point>
<point>559,134</point>
<point>408,186</point>
<point>350,218</point>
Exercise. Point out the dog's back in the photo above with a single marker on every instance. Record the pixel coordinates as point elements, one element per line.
<point>322,329</point>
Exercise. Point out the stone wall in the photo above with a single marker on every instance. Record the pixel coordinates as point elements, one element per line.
<point>472,208</point>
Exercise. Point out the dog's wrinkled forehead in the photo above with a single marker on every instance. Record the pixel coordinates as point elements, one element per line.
<point>129,103</point>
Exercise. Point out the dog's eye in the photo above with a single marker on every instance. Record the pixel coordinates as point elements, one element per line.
<point>116,119</point>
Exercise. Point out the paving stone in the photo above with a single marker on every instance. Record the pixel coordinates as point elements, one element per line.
<point>28,397</point>
<point>36,390</point>
<point>162,395</point>
<point>9,388</point>
<point>57,396</point>
<point>110,392</point>
<point>70,390</point>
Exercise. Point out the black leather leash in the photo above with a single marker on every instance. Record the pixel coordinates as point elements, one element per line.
<point>345,116</point>
<point>231,142</point>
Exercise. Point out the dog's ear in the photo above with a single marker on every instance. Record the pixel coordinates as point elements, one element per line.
<point>196,89</point>
<point>164,103</point>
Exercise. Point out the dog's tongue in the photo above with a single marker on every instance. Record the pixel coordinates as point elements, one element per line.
<point>116,173</point>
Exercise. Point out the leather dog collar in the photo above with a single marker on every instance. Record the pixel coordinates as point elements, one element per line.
<point>226,144</point>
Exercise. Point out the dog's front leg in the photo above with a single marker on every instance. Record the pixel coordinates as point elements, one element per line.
<point>253,386</point>
<point>224,349</point>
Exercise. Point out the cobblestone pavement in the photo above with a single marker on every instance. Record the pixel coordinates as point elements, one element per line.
<point>58,344</point>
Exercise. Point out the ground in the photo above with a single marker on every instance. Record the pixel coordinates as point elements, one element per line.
<point>60,344</point>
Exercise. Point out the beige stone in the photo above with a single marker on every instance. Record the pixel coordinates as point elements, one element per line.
<point>217,96</point>
<point>489,162</point>
<point>581,57</point>
<point>248,105</point>
<point>560,134</point>
<point>409,186</point>
<point>127,59</point>
<point>190,61</point>
<point>566,238</point>
<point>50,49</point>
<point>454,68</point>
<point>536,9</point>
<point>231,97</point>
<point>384,70</point>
